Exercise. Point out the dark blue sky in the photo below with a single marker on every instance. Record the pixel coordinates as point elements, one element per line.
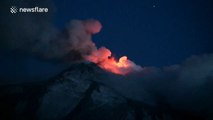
<point>149,32</point>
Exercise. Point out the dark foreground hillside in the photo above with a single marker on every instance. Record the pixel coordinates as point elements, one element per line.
<point>75,94</point>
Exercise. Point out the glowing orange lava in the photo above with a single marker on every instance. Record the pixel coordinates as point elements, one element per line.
<point>103,57</point>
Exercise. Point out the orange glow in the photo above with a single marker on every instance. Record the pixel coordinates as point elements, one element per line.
<point>103,57</point>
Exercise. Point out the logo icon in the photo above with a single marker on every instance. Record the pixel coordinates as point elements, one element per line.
<point>13,9</point>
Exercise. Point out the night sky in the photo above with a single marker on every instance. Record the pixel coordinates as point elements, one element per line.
<point>149,32</point>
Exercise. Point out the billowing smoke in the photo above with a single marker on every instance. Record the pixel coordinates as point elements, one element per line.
<point>103,57</point>
<point>74,43</point>
<point>51,43</point>
<point>77,39</point>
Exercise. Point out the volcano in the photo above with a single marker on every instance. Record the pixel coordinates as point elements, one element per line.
<point>77,94</point>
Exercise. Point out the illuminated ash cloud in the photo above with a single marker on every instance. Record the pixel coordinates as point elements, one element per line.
<point>103,57</point>
<point>74,43</point>
<point>76,40</point>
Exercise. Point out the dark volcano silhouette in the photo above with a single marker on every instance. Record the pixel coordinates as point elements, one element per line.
<point>76,94</point>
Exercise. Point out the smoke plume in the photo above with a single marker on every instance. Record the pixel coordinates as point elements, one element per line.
<point>74,43</point>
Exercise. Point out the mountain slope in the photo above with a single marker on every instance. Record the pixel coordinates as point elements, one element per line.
<point>76,94</point>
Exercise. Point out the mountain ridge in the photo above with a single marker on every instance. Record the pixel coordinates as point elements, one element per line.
<point>76,94</point>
